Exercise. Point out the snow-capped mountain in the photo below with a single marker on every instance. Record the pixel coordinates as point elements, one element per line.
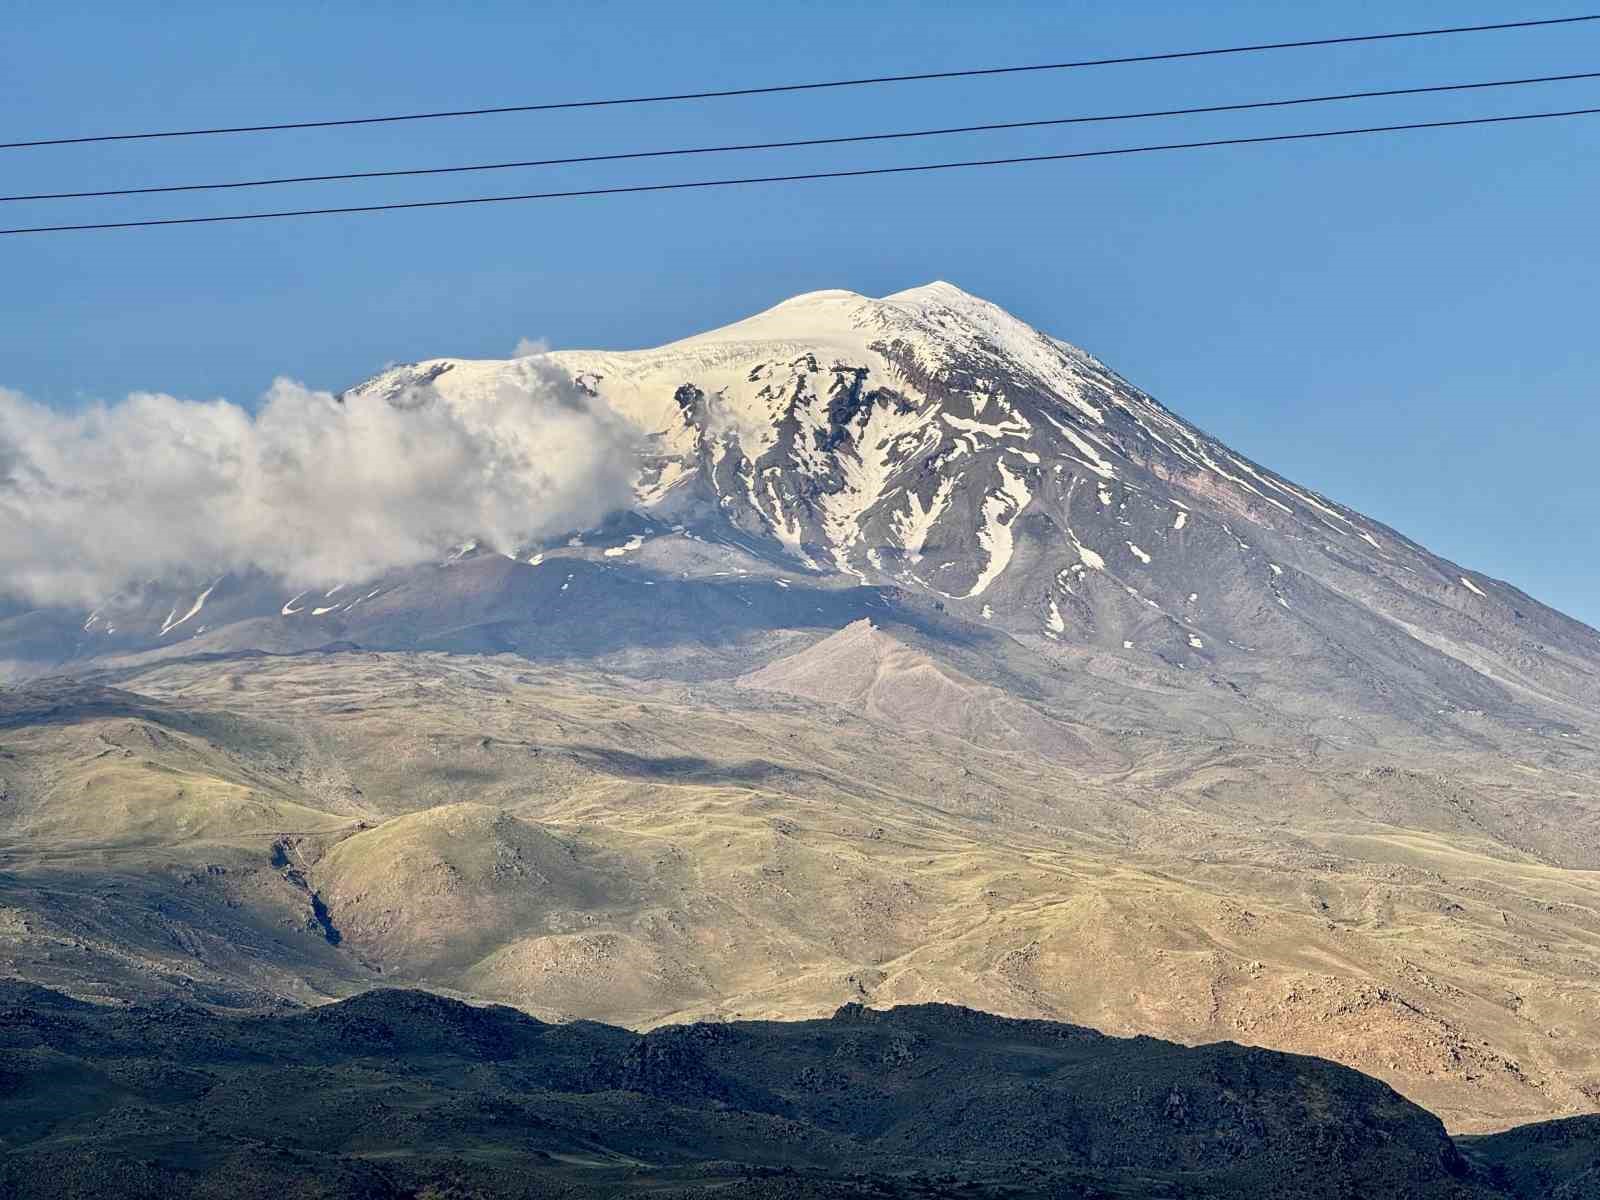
<point>931,442</point>
<point>928,453</point>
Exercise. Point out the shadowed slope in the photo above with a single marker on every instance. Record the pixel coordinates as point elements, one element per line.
<point>396,1093</point>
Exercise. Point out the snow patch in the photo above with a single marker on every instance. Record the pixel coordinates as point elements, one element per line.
<point>1089,557</point>
<point>911,527</point>
<point>627,547</point>
<point>1095,463</point>
<point>1018,427</point>
<point>198,604</point>
<point>1000,509</point>
<point>1139,554</point>
<point>1472,587</point>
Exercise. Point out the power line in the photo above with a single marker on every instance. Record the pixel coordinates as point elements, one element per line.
<point>787,145</point>
<point>771,89</point>
<point>807,176</point>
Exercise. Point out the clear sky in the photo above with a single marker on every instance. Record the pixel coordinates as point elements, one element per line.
<point>1408,323</point>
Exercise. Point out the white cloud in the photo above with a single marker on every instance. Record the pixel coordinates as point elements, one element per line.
<point>310,488</point>
<point>530,346</point>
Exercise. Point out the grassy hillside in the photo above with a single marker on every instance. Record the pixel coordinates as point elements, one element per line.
<point>262,830</point>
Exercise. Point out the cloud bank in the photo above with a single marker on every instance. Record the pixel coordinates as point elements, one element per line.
<point>311,488</point>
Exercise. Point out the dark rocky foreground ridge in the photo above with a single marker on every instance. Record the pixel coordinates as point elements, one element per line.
<point>408,1094</point>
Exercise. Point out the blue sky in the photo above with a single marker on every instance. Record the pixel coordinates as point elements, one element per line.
<point>1406,323</point>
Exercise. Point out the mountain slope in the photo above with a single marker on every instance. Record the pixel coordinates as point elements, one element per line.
<point>870,672</point>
